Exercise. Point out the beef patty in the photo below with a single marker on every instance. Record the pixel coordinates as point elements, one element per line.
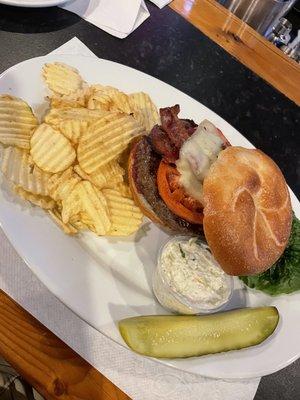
<point>145,166</point>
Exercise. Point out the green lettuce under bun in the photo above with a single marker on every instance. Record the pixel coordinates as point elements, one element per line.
<point>284,276</point>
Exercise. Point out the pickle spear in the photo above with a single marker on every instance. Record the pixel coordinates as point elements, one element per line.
<point>172,336</point>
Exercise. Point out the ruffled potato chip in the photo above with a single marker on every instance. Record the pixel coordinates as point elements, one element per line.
<point>62,184</point>
<point>51,150</point>
<point>125,216</point>
<point>88,202</point>
<point>143,103</point>
<point>44,202</point>
<point>62,79</point>
<point>105,139</point>
<point>17,122</point>
<point>18,167</point>
<point>55,116</point>
<point>108,176</point>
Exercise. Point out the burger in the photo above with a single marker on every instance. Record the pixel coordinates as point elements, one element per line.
<point>189,179</point>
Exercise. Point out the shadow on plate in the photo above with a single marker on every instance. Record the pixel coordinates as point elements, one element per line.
<point>35,20</point>
<point>119,311</point>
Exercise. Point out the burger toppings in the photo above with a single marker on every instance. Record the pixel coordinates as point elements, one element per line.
<point>178,130</point>
<point>145,164</point>
<point>162,144</point>
<point>197,154</point>
<point>174,195</point>
<point>187,152</point>
<point>169,165</point>
<point>167,139</point>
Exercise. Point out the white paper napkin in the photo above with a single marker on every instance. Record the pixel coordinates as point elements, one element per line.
<point>161,3</point>
<point>117,17</point>
<point>140,378</point>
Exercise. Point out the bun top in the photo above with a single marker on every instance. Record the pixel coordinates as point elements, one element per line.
<point>247,213</point>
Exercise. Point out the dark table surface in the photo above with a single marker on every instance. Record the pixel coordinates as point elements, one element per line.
<point>171,49</point>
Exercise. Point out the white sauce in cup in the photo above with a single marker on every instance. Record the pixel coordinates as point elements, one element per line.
<point>188,280</point>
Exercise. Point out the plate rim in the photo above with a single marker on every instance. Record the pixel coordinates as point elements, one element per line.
<point>33,4</point>
<point>54,292</point>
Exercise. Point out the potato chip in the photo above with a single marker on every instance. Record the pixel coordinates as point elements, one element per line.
<point>56,116</point>
<point>124,190</point>
<point>91,204</point>
<point>73,129</point>
<point>71,206</point>
<point>78,224</point>
<point>62,184</point>
<point>69,229</point>
<point>100,101</point>
<point>105,139</point>
<point>107,176</point>
<point>18,167</point>
<point>51,150</point>
<point>125,216</point>
<point>121,102</point>
<point>143,103</point>
<point>16,122</point>
<point>95,207</point>
<point>76,99</point>
<point>86,221</point>
<point>109,90</point>
<point>110,99</point>
<point>62,79</point>
<point>44,202</point>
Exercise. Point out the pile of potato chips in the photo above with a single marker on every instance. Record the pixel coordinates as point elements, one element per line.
<point>73,163</point>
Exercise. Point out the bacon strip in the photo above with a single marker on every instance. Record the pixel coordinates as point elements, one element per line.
<point>168,138</point>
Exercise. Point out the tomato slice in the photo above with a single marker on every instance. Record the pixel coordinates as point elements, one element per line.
<point>174,195</point>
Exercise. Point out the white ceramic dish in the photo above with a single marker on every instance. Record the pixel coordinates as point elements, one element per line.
<point>32,3</point>
<point>103,280</point>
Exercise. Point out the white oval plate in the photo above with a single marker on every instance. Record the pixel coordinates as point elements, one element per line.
<point>103,280</point>
<point>32,3</point>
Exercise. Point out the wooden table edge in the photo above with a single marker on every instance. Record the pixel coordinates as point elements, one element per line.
<point>46,362</point>
<point>244,43</point>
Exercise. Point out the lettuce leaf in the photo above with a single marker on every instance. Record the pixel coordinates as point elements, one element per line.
<point>284,276</point>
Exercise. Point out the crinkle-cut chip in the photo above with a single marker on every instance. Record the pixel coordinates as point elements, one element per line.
<point>104,89</point>
<point>73,129</point>
<point>61,78</point>
<point>107,176</point>
<point>44,202</point>
<point>105,139</point>
<point>69,229</point>
<point>87,200</point>
<point>124,189</point>
<point>78,224</point>
<point>94,205</point>
<point>121,102</point>
<point>56,116</point>
<point>138,116</point>
<point>71,206</point>
<point>19,168</point>
<point>125,216</point>
<point>100,101</point>
<point>108,98</point>
<point>77,99</point>
<point>143,103</point>
<point>17,122</point>
<point>87,221</point>
<point>111,99</point>
<point>51,150</point>
<point>62,184</point>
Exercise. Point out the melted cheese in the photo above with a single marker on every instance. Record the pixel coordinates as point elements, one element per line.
<point>196,157</point>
